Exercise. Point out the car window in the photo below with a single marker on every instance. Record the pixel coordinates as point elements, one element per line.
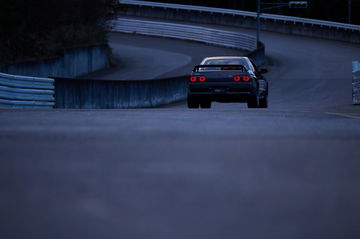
<point>228,67</point>
<point>227,61</point>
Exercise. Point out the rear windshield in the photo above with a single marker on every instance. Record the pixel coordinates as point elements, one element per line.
<point>225,62</point>
<point>227,67</point>
<point>229,61</point>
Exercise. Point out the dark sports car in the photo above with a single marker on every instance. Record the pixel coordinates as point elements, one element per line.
<point>227,79</point>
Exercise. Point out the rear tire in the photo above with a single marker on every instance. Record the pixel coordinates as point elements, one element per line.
<point>253,102</point>
<point>205,105</point>
<point>263,103</point>
<point>192,103</point>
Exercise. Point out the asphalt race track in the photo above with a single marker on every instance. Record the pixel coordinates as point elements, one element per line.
<point>289,171</point>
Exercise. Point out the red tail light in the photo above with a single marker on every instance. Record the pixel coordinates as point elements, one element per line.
<point>202,78</point>
<point>193,78</point>
<point>237,78</point>
<point>246,78</point>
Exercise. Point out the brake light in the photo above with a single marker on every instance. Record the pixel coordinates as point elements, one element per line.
<point>237,78</point>
<point>193,78</point>
<point>246,78</point>
<point>202,78</point>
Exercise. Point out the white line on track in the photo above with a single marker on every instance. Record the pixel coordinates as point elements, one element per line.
<point>343,115</point>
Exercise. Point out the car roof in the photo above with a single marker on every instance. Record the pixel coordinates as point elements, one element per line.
<point>244,58</point>
<point>224,57</point>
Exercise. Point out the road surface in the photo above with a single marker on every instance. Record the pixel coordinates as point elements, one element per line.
<point>289,171</point>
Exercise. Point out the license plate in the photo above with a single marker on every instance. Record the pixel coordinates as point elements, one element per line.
<point>219,90</point>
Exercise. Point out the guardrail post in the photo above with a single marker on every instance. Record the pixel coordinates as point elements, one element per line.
<point>258,22</point>
<point>349,11</point>
<point>356,82</point>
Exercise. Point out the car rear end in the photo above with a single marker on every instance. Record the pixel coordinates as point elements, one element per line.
<point>224,84</point>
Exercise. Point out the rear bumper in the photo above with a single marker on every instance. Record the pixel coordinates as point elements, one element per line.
<point>228,93</point>
<point>223,98</point>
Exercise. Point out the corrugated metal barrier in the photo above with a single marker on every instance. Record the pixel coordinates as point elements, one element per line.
<point>356,82</point>
<point>187,32</point>
<point>26,92</point>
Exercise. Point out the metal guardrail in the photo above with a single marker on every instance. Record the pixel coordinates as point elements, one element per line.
<point>264,16</point>
<point>26,92</point>
<point>187,32</point>
<point>356,82</point>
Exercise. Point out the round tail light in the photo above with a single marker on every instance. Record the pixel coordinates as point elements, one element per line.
<point>246,78</point>
<point>237,78</point>
<point>202,78</point>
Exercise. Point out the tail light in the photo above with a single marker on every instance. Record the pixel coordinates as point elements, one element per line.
<point>194,78</point>
<point>246,78</point>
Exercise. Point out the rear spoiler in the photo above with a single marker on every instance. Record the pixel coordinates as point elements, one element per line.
<point>223,67</point>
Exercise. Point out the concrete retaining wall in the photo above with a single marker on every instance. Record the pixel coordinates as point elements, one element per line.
<point>296,28</point>
<point>105,94</point>
<point>356,83</point>
<point>75,62</point>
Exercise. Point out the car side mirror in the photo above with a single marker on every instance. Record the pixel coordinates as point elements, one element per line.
<point>263,71</point>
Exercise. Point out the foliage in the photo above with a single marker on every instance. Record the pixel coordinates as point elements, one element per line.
<point>334,10</point>
<point>44,28</point>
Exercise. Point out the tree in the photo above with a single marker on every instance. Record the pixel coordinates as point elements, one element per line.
<point>335,10</point>
<point>44,28</point>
